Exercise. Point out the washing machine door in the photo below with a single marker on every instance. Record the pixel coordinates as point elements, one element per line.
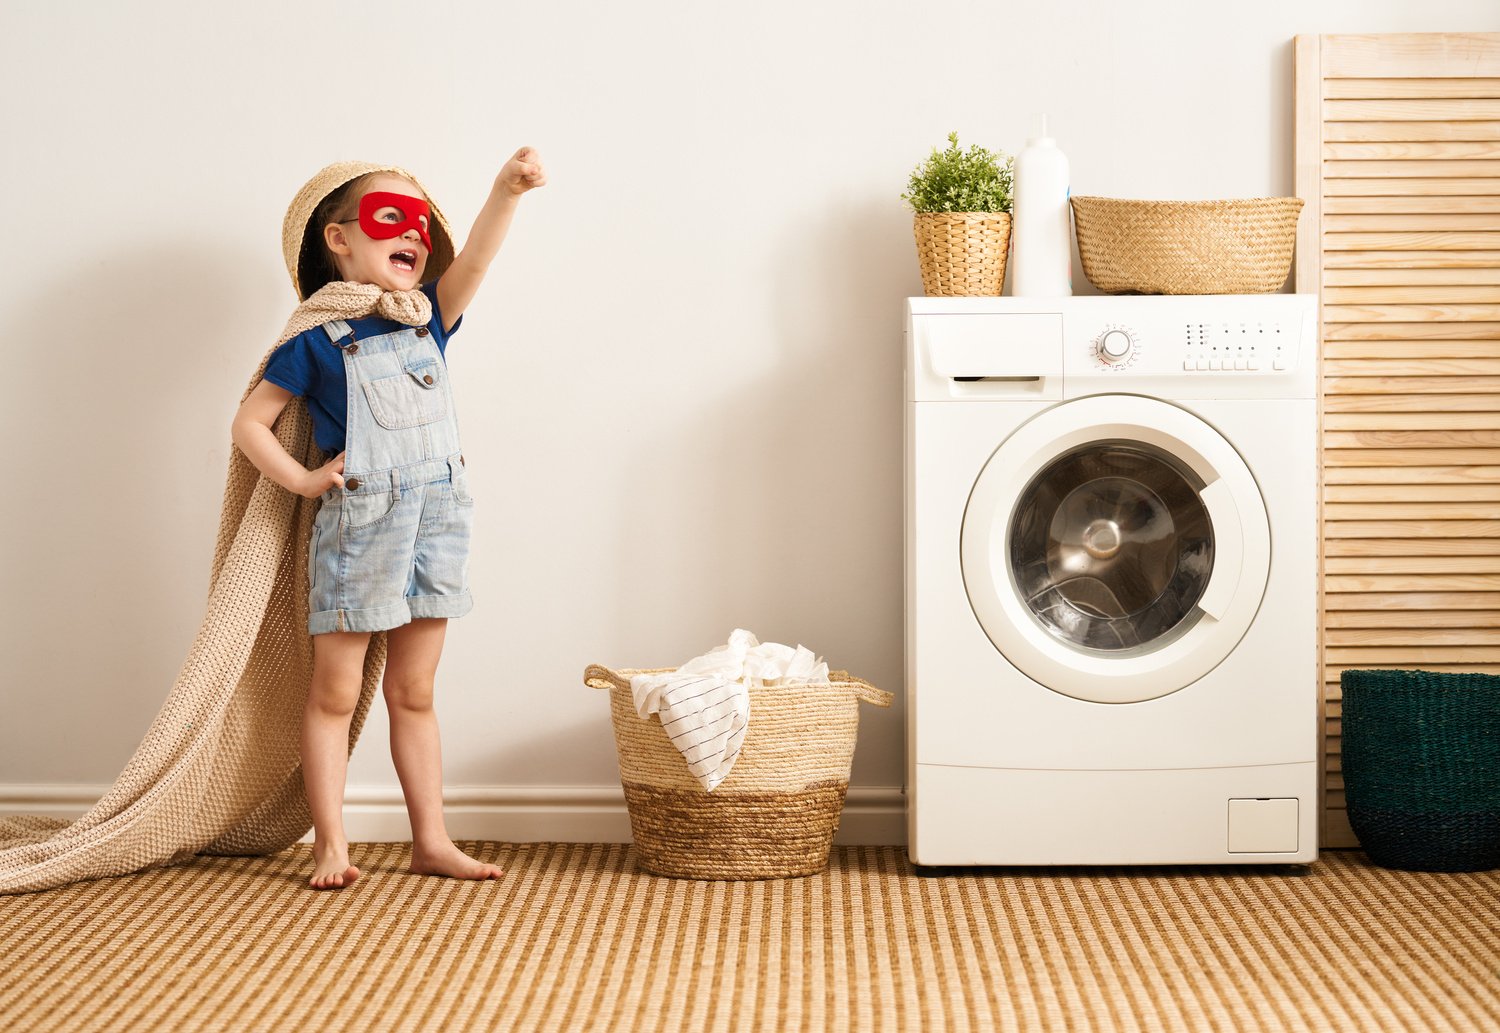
<point>1115,548</point>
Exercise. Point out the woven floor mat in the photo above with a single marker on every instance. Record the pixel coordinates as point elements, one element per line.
<point>574,938</point>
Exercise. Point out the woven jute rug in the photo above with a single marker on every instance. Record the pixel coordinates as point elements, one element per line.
<point>575,938</point>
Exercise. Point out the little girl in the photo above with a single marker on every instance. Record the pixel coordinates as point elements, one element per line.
<point>390,544</point>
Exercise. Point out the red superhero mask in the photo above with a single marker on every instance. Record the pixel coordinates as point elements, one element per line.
<point>414,210</point>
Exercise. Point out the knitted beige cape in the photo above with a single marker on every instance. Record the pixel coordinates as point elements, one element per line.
<point>219,771</point>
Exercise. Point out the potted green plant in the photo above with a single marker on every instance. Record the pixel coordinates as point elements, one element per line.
<point>962,201</point>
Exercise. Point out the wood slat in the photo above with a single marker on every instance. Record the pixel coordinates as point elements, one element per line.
<point>1433,401</point>
<point>1383,549</point>
<point>1423,637</point>
<point>1385,584</point>
<point>1422,350</point>
<point>1427,185</point>
<point>1409,223</point>
<point>1465,314</point>
<point>1385,295</point>
<point>1414,619</point>
<point>1411,150</point>
<point>1424,109</point>
<point>1438,55</point>
<point>1389,366</point>
<point>1331,679</point>
<point>1425,168</point>
<point>1413,654</point>
<point>1403,457</point>
<point>1459,599</point>
<point>1343,532</point>
<point>1447,204</point>
<point>1444,240</point>
<point>1477,441</point>
<point>1411,331</point>
<point>1396,89</point>
<point>1411,260</point>
<point>1409,494</point>
<point>1382,565</point>
<point>1411,474</point>
<point>1415,132</point>
<point>1406,421</point>
<point>1436,384</point>
<point>1410,510</point>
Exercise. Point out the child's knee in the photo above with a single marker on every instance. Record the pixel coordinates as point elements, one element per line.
<point>408,693</point>
<point>335,696</point>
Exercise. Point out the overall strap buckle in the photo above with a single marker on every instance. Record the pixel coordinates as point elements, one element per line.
<point>337,330</point>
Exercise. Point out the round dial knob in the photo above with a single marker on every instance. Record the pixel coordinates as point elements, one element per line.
<point>1115,346</point>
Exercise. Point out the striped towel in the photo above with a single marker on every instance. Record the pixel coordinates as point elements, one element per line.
<point>704,705</point>
<point>705,716</point>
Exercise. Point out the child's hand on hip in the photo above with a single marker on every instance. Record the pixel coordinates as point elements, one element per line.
<point>329,475</point>
<point>522,173</point>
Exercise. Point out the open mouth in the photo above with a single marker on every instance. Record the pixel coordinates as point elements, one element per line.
<point>406,261</point>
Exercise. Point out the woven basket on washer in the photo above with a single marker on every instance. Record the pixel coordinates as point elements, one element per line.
<point>962,254</point>
<point>774,816</point>
<point>1186,247</point>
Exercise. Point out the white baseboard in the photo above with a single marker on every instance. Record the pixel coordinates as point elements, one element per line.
<point>873,816</point>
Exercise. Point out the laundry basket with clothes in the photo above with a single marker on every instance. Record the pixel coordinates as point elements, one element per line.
<point>735,765</point>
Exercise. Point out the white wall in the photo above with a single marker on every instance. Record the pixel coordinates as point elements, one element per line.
<point>680,386</point>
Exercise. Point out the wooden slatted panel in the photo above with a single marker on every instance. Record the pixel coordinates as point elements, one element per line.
<point>1398,159</point>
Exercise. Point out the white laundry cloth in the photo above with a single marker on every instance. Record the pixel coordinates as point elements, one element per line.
<point>704,705</point>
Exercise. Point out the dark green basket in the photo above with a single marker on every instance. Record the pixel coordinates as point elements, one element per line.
<point>1421,762</point>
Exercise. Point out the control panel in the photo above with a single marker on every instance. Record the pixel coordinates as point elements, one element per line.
<point>1199,346</point>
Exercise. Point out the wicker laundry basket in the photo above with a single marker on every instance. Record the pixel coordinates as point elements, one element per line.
<point>1186,247</point>
<point>774,816</point>
<point>1421,767</point>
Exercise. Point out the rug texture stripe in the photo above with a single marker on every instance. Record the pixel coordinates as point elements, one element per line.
<point>576,938</point>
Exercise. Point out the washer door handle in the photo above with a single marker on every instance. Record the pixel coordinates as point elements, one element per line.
<point>1229,549</point>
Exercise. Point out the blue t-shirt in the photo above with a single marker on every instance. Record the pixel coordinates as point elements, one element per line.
<point>312,366</point>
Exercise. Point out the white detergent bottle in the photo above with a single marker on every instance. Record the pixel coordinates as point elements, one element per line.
<point>1042,260</point>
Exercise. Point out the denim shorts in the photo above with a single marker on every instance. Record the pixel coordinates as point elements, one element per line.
<point>385,554</point>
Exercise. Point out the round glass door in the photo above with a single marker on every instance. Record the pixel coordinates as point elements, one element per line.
<point>1115,548</point>
<point>1111,547</point>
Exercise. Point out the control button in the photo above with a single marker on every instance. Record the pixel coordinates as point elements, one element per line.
<point>1213,362</point>
<point>1188,363</point>
<point>352,484</point>
<point>1115,346</point>
<point>421,331</point>
<point>1240,362</point>
<point>1254,362</point>
<point>1202,362</point>
<point>1281,362</point>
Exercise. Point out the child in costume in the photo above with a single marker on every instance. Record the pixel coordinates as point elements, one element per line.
<point>369,251</point>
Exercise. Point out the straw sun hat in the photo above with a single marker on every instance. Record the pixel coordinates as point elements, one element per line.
<point>301,243</point>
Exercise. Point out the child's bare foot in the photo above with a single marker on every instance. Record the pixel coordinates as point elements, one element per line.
<point>331,868</point>
<point>447,859</point>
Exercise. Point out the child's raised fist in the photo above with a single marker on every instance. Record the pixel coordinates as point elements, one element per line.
<point>522,173</point>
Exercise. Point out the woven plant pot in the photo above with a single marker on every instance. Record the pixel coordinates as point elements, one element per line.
<point>1186,247</point>
<point>1421,765</point>
<point>962,254</point>
<point>774,816</point>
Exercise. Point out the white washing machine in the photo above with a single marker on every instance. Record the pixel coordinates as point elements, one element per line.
<point>1111,574</point>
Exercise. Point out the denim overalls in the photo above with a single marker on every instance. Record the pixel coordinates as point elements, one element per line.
<point>393,543</point>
